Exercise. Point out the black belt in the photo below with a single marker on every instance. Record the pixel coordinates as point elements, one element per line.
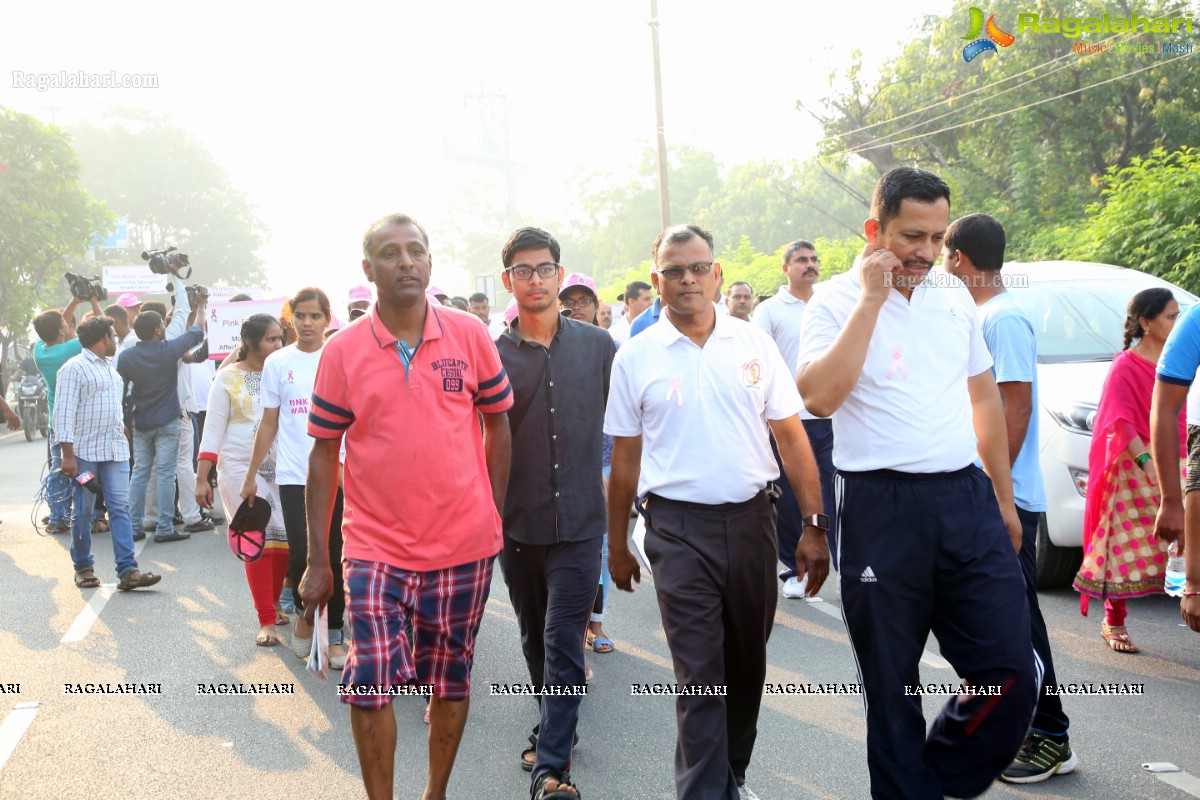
<point>764,496</point>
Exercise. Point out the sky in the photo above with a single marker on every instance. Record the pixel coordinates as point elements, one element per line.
<point>328,120</point>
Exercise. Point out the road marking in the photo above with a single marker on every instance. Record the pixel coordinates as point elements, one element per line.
<point>14,727</point>
<point>1184,781</point>
<point>927,657</point>
<point>91,612</point>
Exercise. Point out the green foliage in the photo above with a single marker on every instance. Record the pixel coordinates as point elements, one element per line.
<point>46,218</point>
<point>1149,219</point>
<point>173,191</point>
<point>1042,165</point>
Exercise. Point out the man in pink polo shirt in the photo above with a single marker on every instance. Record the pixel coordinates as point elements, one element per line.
<point>421,521</point>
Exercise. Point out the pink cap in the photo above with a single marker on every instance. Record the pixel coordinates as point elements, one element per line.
<point>361,293</point>
<point>128,300</point>
<point>579,279</point>
<point>434,291</point>
<point>510,313</point>
<point>335,324</point>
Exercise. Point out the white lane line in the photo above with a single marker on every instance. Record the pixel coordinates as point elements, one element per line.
<point>14,727</point>
<point>927,657</point>
<point>1184,781</point>
<point>91,612</point>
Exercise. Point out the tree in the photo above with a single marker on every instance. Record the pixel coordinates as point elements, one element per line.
<point>46,218</point>
<point>1042,164</point>
<point>173,191</point>
<point>1149,219</point>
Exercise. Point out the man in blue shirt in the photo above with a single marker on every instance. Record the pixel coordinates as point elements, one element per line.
<point>58,345</point>
<point>974,252</point>
<point>152,367</point>
<point>1176,371</point>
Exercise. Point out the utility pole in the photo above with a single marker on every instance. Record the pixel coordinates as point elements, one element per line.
<point>664,200</point>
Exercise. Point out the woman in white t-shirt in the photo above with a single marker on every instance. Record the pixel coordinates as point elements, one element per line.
<point>287,386</point>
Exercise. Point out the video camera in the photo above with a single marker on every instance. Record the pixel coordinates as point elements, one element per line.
<point>167,260</point>
<point>86,288</point>
<point>196,292</point>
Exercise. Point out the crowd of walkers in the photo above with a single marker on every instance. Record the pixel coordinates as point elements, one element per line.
<point>762,440</point>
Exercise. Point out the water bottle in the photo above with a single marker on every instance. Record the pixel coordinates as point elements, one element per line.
<point>1173,585</point>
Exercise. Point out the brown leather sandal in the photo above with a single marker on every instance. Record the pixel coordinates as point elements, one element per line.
<point>1117,638</point>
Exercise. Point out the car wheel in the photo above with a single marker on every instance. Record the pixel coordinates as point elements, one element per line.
<point>1056,566</point>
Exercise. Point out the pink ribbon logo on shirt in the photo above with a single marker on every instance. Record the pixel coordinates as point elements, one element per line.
<point>897,364</point>
<point>675,391</point>
<point>291,377</point>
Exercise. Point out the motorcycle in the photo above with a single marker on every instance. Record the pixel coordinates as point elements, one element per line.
<point>34,406</point>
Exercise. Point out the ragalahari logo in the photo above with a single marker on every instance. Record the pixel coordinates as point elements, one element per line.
<point>994,37</point>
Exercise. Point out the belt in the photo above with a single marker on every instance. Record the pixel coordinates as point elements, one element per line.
<point>766,495</point>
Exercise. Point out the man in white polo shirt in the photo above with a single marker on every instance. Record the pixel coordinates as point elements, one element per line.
<point>928,541</point>
<point>781,316</point>
<point>689,407</point>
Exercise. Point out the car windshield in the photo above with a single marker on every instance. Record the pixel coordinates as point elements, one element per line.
<point>1082,320</point>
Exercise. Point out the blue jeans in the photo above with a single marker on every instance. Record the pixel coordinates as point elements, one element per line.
<point>58,486</point>
<point>114,476</point>
<point>156,446</point>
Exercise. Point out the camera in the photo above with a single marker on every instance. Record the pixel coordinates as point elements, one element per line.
<point>196,292</point>
<point>166,260</point>
<point>86,288</point>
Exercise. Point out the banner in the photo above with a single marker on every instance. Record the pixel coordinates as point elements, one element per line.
<point>222,294</point>
<point>225,323</point>
<point>135,278</point>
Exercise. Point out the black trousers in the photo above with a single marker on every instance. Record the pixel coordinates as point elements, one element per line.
<point>1049,717</point>
<point>791,520</point>
<point>930,552</point>
<point>714,573</point>
<point>295,521</point>
<point>552,588</point>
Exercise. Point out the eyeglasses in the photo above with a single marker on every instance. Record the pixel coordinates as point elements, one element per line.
<point>524,272</point>
<point>806,260</point>
<point>581,302</point>
<point>676,273</point>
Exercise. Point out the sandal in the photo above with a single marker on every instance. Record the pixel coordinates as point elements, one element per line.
<point>280,617</point>
<point>540,792</point>
<point>86,578</point>
<point>100,525</point>
<point>136,579</point>
<point>1117,638</point>
<point>600,643</point>
<point>266,639</point>
<point>529,754</point>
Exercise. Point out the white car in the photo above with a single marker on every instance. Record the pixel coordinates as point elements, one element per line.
<point>1078,313</point>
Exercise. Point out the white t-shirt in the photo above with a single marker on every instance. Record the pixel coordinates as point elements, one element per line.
<point>287,384</point>
<point>702,412</point>
<point>619,330</point>
<point>910,409</point>
<point>202,378</point>
<point>781,317</point>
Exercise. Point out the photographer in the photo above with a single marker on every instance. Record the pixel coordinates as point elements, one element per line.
<point>58,345</point>
<point>152,367</point>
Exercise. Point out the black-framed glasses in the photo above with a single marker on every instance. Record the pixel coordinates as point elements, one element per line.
<point>524,272</point>
<point>580,302</point>
<point>698,269</point>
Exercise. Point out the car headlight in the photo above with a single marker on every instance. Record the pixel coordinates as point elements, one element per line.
<point>1076,417</point>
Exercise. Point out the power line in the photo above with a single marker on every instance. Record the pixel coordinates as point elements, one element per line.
<point>971,92</point>
<point>1019,108</point>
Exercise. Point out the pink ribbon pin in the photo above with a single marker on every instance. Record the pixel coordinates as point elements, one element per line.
<point>897,364</point>
<point>675,391</point>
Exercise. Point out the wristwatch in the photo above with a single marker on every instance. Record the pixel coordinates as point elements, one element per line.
<point>817,521</point>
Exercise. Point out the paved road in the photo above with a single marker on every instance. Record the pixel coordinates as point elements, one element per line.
<point>198,626</point>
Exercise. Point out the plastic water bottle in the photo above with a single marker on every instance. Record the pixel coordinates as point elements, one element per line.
<point>1173,584</point>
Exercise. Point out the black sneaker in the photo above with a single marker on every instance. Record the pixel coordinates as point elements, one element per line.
<point>1040,758</point>
<point>139,535</point>
<point>198,526</point>
<point>171,537</point>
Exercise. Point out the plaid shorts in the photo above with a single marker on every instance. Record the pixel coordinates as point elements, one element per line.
<point>1192,482</point>
<point>445,607</point>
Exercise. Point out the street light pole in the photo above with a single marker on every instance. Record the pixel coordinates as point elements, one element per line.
<point>664,201</point>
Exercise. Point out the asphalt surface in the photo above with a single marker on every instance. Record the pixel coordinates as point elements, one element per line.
<point>198,626</point>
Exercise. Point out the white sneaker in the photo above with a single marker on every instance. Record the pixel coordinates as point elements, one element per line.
<point>744,791</point>
<point>794,588</point>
